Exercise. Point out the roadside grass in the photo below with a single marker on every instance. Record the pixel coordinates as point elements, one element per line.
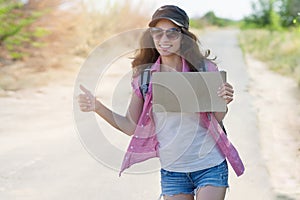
<point>73,34</point>
<point>97,26</point>
<point>279,49</point>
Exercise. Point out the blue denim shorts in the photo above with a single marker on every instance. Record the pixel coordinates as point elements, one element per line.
<point>173,183</point>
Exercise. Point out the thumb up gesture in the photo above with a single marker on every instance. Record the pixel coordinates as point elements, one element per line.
<point>86,100</point>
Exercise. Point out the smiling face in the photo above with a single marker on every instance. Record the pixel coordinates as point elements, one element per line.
<point>167,38</point>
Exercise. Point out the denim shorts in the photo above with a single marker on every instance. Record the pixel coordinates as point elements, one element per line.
<point>173,183</point>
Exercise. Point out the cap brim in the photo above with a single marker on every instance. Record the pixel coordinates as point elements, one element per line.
<point>153,22</point>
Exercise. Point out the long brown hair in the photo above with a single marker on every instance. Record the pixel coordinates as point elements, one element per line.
<point>189,50</point>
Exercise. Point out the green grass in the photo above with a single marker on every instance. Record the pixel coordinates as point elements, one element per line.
<point>279,49</point>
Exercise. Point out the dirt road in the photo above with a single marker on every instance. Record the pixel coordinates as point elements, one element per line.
<point>241,121</point>
<point>42,155</point>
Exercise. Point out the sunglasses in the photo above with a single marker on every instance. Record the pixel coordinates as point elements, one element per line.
<point>172,33</point>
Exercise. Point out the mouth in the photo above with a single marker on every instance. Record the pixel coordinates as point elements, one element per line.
<point>165,46</point>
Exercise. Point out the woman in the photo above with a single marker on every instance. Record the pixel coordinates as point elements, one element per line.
<point>192,164</point>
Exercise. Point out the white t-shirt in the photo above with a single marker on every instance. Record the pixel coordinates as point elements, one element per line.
<point>184,145</point>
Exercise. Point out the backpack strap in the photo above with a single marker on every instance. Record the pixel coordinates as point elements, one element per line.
<point>206,69</point>
<point>145,80</point>
<point>205,66</point>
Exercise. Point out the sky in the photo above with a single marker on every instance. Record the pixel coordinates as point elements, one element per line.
<point>231,9</point>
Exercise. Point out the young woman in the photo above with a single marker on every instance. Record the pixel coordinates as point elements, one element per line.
<point>191,162</point>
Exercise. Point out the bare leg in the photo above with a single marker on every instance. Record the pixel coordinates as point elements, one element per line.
<point>179,197</point>
<point>211,193</point>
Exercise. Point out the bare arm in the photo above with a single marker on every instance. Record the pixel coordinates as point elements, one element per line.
<point>126,124</point>
<point>226,92</point>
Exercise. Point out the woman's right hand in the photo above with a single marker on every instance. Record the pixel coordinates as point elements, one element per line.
<point>87,101</point>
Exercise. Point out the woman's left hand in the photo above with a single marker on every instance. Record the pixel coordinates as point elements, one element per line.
<point>226,92</point>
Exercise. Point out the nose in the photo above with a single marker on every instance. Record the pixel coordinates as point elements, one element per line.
<point>164,37</point>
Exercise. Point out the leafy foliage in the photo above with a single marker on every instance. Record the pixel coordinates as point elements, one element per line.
<point>15,31</point>
<point>211,19</point>
<point>290,13</point>
<point>274,14</point>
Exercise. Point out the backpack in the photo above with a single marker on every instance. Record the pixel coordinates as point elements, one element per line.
<point>145,81</point>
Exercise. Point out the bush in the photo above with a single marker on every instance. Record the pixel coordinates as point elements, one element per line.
<point>279,49</point>
<point>15,30</point>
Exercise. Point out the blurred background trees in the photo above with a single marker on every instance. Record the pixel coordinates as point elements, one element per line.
<point>290,12</point>
<point>272,35</point>
<point>274,14</point>
<point>25,22</point>
<point>46,40</point>
<point>49,34</point>
<point>15,31</point>
<point>29,25</point>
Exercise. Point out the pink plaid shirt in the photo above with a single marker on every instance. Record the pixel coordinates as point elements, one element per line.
<point>144,144</point>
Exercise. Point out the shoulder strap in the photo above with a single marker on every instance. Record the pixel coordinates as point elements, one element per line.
<point>145,80</point>
<point>205,65</point>
<point>206,69</point>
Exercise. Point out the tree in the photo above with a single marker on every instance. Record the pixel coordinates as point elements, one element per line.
<point>9,16</point>
<point>264,15</point>
<point>16,35</point>
<point>274,13</point>
<point>290,12</point>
